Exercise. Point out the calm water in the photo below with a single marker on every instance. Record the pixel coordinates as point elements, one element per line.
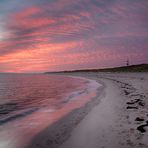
<point>24,94</point>
<point>30,102</point>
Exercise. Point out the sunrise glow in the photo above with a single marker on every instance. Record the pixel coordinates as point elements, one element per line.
<point>63,35</point>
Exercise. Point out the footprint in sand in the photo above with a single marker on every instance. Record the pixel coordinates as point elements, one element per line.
<point>141,127</point>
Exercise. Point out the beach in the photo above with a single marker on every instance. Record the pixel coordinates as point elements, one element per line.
<point>73,74</point>
<point>116,118</point>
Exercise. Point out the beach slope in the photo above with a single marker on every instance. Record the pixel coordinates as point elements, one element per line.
<point>118,120</point>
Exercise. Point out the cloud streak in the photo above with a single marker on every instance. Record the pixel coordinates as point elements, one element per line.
<point>41,35</point>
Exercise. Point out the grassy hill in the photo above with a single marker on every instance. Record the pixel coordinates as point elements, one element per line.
<point>131,68</point>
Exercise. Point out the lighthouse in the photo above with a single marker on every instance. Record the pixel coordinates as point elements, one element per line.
<point>127,62</point>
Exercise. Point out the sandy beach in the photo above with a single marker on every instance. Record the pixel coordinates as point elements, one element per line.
<point>116,118</point>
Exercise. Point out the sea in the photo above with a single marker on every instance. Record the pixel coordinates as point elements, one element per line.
<point>31,102</point>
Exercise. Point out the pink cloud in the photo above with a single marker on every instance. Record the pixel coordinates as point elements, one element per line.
<point>42,37</point>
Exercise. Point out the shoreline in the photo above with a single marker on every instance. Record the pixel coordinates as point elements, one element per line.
<point>113,121</point>
<point>29,125</point>
<point>60,131</point>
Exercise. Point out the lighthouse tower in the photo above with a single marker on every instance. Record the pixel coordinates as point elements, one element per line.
<point>127,62</point>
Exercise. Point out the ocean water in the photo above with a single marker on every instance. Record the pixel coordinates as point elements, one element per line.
<point>30,102</point>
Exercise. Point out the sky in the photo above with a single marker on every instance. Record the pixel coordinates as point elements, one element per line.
<point>56,35</point>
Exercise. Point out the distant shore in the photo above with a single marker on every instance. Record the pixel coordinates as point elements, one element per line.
<point>129,68</point>
<point>116,118</point>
